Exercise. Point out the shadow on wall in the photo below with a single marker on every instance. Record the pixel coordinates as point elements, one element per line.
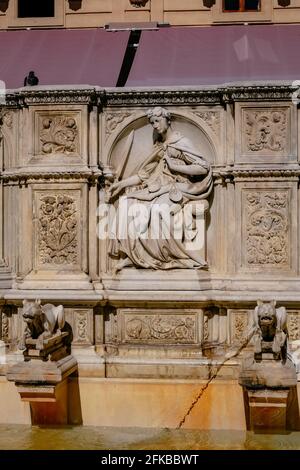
<point>74,401</point>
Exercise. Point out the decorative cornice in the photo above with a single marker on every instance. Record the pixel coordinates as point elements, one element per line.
<point>235,174</point>
<point>161,97</point>
<point>80,96</point>
<point>220,175</point>
<point>257,93</point>
<point>150,97</point>
<point>21,177</point>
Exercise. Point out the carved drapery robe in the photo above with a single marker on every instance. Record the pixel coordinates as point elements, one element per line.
<point>161,188</point>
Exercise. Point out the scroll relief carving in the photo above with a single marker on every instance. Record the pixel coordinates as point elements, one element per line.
<point>267,228</point>
<point>158,328</point>
<point>239,325</point>
<point>266,130</point>
<point>212,119</point>
<point>83,328</point>
<point>59,134</point>
<point>58,229</point>
<point>293,323</point>
<point>113,120</point>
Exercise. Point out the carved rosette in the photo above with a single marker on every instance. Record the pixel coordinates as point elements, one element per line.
<point>265,131</point>
<point>58,230</point>
<point>113,120</point>
<point>59,135</point>
<point>160,328</point>
<point>267,228</point>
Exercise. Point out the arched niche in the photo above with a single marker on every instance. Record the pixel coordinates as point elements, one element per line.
<point>195,129</point>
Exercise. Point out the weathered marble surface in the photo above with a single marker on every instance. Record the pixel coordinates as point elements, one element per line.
<point>59,151</point>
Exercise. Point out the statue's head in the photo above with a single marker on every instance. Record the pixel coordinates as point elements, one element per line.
<point>30,310</point>
<point>266,313</point>
<point>160,119</point>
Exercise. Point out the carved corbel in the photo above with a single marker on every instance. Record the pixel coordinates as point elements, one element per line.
<point>75,4</point>
<point>208,3</point>
<point>138,3</point>
<point>3,5</point>
<point>284,3</point>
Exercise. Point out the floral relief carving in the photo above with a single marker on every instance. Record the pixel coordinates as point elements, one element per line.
<point>157,328</point>
<point>59,134</point>
<point>58,230</point>
<point>293,324</point>
<point>113,120</point>
<point>81,323</point>
<point>212,119</point>
<point>267,228</point>
<point>239,326</point>
<point>266,130</point>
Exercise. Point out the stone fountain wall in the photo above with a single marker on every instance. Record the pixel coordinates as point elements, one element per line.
<point>58,149</point>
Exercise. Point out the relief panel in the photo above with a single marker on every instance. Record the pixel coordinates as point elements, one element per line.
<point>239,321</point>
<point>59,136</point>
<point>160,326</point>
<point>266,134</point>
<point>266,234</point>
<point>83,326</point>
<point>268,231</point>
<point>293,324</point>
<point>58,229</point>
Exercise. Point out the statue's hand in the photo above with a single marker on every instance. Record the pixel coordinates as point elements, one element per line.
<point>115,189</point>
<point>170,163</point>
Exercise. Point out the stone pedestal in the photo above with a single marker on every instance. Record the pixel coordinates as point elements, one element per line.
<point>45,386</point>
<point>267,384</point>
<point>268,409</point>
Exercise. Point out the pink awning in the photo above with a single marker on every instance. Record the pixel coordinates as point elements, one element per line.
<point>216,54</point>
<point>62,57</point>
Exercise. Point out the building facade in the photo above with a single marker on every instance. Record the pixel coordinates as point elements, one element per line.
<point>98,13</point>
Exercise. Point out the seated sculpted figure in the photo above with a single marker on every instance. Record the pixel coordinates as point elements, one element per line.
<point>172,176</point>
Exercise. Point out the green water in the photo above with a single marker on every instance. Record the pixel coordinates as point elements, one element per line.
<point>17,437</point>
